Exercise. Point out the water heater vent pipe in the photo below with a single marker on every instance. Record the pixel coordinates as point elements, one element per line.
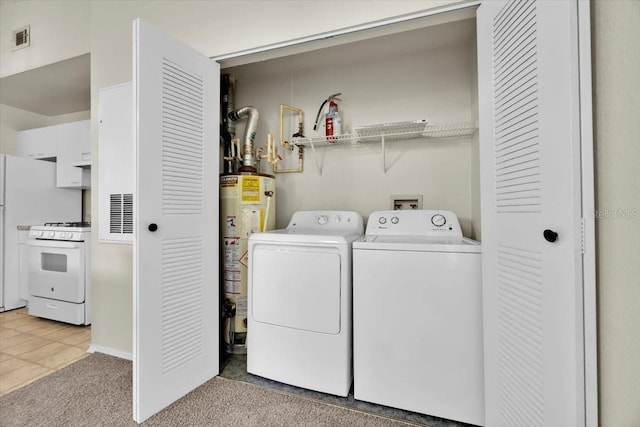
<point>248,156</point>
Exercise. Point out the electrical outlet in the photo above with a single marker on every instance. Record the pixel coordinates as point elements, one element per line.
<point>406,201</point>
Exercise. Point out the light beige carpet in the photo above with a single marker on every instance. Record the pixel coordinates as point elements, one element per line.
<point>96,391</point>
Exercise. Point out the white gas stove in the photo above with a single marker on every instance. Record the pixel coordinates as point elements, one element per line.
<point>69,231</point>
<point>59,272</point>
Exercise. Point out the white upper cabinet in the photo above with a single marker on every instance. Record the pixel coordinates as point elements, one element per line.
<point>37,143</point>
<point>68,144</point>
<point>73,141</point>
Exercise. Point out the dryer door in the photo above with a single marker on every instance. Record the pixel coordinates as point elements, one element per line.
<point>296,287</point>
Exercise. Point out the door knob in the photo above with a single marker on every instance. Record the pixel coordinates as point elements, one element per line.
<point>153,227</point>
<point>550,235</point>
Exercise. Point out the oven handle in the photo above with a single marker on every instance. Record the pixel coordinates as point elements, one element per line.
<point>53,244</point>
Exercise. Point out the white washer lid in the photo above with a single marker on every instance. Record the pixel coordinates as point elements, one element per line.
<point>418,244</point>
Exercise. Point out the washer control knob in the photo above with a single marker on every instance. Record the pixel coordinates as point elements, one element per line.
<point>323,219</point>
<point>382,220</point>
<point>438,220</point>
<point>394,220</point>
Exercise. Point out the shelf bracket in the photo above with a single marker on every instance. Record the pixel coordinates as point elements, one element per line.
<point>384,154</point>
<point>315,157</point>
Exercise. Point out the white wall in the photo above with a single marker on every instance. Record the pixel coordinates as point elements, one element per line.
<point>13,120</point>
<point>616,58</point>
<point>59,30</point>
<point>382,80</point>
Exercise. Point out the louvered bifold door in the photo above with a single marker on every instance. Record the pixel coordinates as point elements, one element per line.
<point>176,216</point>
<point>530,192</point>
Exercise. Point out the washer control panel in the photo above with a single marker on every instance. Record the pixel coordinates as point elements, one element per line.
<point>414,222</point>
<point>340,222</point>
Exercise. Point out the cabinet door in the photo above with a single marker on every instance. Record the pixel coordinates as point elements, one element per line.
<point>37,143</point>
<point>176,319</point>
<point>72,139</point>
<point>531,212</point>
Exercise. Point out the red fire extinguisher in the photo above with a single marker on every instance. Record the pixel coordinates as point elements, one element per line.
<point>333,123</point>
<point>332,120</point>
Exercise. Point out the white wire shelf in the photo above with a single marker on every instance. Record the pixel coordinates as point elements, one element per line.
<point>323,141</point>
<point>391,132</point>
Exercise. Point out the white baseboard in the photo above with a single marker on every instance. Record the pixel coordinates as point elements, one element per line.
<point>96,348</point>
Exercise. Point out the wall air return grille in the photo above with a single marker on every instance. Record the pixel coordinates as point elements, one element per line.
<point>21,38</point>
<point>121,213</point>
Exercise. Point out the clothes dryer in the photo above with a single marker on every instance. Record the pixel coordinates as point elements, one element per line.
<point>417,328</point>
<point>299,305</point>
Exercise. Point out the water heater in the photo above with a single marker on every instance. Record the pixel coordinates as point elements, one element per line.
<point>247,205</point>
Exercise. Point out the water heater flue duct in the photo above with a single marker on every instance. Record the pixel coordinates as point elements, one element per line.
<point>228,128</point>
<point>248,153</point>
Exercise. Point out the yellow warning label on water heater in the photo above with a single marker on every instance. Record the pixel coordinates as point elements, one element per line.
<point>251,189</point>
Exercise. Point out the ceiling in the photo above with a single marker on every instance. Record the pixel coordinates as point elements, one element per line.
<point>60,88</point>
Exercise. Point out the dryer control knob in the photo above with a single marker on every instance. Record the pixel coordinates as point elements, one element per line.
<point>323,219</point>
<point>394,220</point>
<point>382,220</point>
<point>438,220</point>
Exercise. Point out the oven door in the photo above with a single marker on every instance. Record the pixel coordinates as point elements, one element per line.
<point>56,269</point>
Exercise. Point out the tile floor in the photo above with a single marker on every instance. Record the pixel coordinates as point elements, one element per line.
<point>31,348</point>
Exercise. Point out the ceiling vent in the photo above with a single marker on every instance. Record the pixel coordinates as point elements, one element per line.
<point>21,38</point>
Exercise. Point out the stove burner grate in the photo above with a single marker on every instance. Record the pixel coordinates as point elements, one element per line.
<point>68,224</point>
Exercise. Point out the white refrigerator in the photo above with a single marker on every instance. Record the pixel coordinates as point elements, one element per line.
<point>28,196</point>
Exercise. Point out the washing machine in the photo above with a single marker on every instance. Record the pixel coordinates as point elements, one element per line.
<point>300,309</point>
<point>417,315</point>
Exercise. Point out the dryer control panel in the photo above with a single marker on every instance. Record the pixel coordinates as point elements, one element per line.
<point>418,222</point>
<point>331,222</point>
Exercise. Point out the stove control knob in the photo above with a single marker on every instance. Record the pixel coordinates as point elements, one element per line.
<point>68,235</point>
<point>323,219</point>
<point>438,220</point>
<point>51,234</point>
<point>382,220</point>
<point>394,220</point>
